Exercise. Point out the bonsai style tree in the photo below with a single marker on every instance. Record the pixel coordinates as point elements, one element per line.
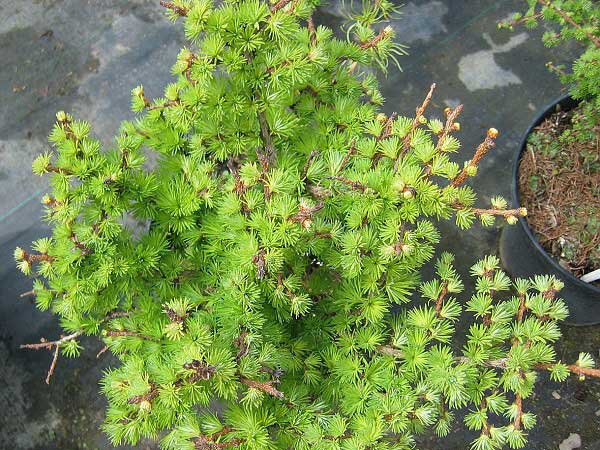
<point>273,298</point>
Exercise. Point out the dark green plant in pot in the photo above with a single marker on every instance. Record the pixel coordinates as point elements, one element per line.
<point>267,303</point>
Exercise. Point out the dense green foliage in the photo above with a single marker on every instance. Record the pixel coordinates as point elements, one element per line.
<point>577,20</point>
<point>268,300</point>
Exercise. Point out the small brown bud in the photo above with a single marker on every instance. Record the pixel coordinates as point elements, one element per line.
<point>422,120</point>
<point>523,212</point>
<point>456,126</point>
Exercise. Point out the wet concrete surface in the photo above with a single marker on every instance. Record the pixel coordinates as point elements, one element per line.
<point>84,56</point>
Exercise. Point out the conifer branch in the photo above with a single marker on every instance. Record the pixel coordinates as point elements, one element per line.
<point>355,185</point>
<point>102,351</point>
<point>56,169</point>
<point>202,372</point>
<point>48,345</point>
<point>312,31</point>
<point>384,33</point>
<point>502,364</point>
<point>31,258</point>
<point>488,143</point>
<point>53,364</point>
<point>207,442</point>
<point>179,10</point>
<point>439,304</point>
<point>125,333</point>
<point>547,3</point>
<point>308,163</point>
<point>239,188</point>
<point>266,137</point>
<point>305,214</point>
<point>452,115</point>
<point>241,342</point>
<point>319,192</point>
<point>264,386</point>
<point>279,5</point>
<point>351,152</point>
<point>81,246</point>
<point>388,350</point>
<point>51,202</point>
<point>166,104</point>
<point>386,132</point>
<point>147,397</point>
<point>518,212</point>
<point>261,264</point>
<point>415,123</point>
<point>574,369</point>
<point>522,307</point>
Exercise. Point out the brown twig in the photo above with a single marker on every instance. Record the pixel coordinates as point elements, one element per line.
<point>56,169</point>
<point>439,304</point>
<point>502,363</point>
<point>309,161</point>
<point>386,132</point>
<point>261,264</point>
<point>53,364</point>
<point>266,136</point>
<point>305,214</point>
<point>125,333</point>
<point>147,397</point>
<point>312,31</point>
<point>488,143</point>
<point>353,184</point>
<point>390,351</point>
<point>48,345</point>
<point>179,10</point>
<point>518,212</point>
<point>449,126</point>
<point>349,154</point>
<point>102,351</point>
<point>264,386</point>
<point>416,122</point>
<point>279,5</point>
<point>385,32</point>
<point>164,105</point>
<point>207,442</point>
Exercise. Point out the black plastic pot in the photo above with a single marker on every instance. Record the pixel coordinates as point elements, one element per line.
<point>523,256</point>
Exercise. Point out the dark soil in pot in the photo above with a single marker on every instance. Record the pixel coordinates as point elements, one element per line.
<point>558,180</point>
<point>559,184</point>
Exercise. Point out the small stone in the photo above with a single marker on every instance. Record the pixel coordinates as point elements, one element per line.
<point>571,443</point>
<point>556,395</point>
<point>598,413</point>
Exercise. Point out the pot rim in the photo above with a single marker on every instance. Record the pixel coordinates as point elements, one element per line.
<point>568,102</point>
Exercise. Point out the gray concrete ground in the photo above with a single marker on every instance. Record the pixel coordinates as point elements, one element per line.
<point>84,56</point>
